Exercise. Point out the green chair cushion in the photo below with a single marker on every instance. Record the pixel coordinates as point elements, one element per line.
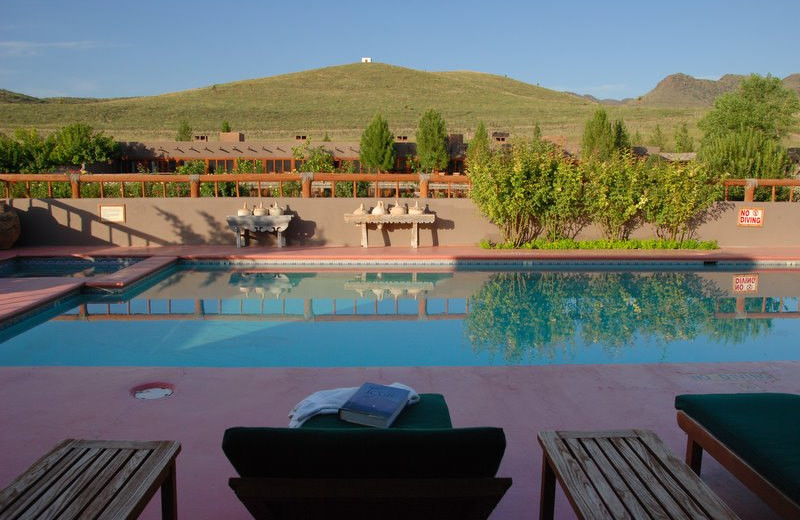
<point>430,412</point>
<point>763,429</point>
<point>364,452</point>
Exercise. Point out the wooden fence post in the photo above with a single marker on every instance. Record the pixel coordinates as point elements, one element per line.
<point>306,178</point>
<point>750,189</point>
<point>75,181</point>
<point>424,179</point>
<point>194,186</point>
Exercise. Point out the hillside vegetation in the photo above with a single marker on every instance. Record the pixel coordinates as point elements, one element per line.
<point>341,101</point>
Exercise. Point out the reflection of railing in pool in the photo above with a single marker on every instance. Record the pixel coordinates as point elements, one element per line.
<point>742,311</point>
<point>126,312</point>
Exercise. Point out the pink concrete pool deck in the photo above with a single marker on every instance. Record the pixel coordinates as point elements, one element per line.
<point>39,406</point>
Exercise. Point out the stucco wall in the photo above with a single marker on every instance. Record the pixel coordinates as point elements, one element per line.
<point>320,222</point>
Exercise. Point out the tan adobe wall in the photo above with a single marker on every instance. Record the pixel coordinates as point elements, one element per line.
<point>320,222</point>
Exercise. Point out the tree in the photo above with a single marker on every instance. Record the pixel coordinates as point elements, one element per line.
<point>9,153</point>
<point>745,154</point>
<point>537,132</point>
<point>683,141</point>
<point>315,158</point>
<point>376,148</point>
<point>432,142</point>
<point>601,138</point>
<point>478,150</point>
<point>658,139</point>
<point>31,153</point>
<point>326,138</point>
<point>760,103</point>
<point>226,127</point>
<point>598,139</point>
<point>622,140</point>
<point>78,144</point>
<point>184,131</point>
<point>637,138</point>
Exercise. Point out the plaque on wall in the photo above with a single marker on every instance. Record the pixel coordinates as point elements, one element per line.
<point>112,213</point>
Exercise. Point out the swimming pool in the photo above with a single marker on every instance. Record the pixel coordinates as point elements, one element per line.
<point>209,317</point>
<point>25,267</point>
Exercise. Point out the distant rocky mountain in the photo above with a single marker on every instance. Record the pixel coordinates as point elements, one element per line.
<point>603,101</point>
<point>682,90</point>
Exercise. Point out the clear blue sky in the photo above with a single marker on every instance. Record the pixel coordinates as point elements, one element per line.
<point>608,49</point>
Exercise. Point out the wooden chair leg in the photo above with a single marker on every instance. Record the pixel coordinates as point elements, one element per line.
<point>169,496</point>
<point>694,455</point>
<point>547,496</point>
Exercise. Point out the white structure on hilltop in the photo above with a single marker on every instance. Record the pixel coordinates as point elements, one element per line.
<point>366,59</point>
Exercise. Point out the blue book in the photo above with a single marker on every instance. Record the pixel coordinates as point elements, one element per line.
<point>374,405</point>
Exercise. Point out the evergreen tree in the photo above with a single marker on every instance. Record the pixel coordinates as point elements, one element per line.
<point>184,131</point>
<point>226,127</point>
<point>478,150</point>
<point>377,145</point>
<point>326,138</point>
<point>598,138</point>
<point>537,132</point>
<point>622,140</point>
<point>658,139</point>
<point>432,142</point>
<point>683,141</point>
<point>637,138</point>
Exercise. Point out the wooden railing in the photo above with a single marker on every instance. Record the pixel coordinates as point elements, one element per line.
<point>249,184</point>
<point>243,184</point>
<point>750,186</point>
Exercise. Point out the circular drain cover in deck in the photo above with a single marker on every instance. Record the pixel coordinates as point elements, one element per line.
<point>152,391</point>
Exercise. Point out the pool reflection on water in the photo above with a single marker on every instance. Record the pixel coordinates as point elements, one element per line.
<point>248,317</point>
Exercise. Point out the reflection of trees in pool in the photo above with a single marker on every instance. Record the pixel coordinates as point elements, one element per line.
<point>733,331</point>
<point>519,315</point>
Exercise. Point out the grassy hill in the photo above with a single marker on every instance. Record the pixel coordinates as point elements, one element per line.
<point>341,100</point>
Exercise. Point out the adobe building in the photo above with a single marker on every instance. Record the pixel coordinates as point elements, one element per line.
<point>270,156</point>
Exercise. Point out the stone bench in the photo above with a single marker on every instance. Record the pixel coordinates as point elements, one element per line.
<point>380,220</point>
<point>241,225</point>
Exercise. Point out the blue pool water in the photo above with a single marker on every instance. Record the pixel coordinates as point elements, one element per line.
<point>237,318</point>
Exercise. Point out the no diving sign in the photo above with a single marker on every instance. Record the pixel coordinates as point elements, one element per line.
<point>745,283</point>
<point>751,217</point>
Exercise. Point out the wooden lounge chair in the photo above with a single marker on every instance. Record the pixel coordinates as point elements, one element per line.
<point>420,468</point>
<point>755,436</point>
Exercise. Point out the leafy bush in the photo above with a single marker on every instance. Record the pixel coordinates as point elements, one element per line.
<point>568,244</point>
<point>678,196</point>
<point>529,189</point>
<point>616,194</point>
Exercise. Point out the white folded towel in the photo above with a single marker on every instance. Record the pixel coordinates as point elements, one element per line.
<point>329,401</point>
